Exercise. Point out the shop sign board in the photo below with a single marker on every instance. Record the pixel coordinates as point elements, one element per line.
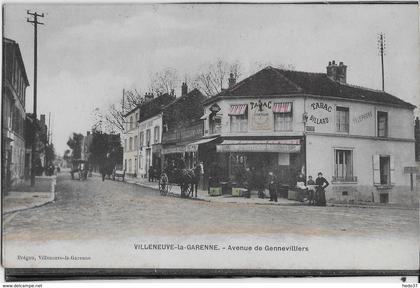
<point>261,115</point>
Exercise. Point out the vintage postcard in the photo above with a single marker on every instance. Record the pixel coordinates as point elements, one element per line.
<point>266,137</point>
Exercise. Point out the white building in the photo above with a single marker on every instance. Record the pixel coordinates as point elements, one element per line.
<point>130,142</point>
<point>292,122</point>
<point>150,136</point>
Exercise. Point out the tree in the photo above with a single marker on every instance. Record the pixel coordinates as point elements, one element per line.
<point>75,144</point>
<point>214,77</point>
<point>165,81</point>
<point>50,153</point>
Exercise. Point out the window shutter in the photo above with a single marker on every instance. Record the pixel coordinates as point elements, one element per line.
<point>392,169</point>
<point>376,170</point>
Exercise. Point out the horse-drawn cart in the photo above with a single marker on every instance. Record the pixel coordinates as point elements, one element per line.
<point>173,177</point>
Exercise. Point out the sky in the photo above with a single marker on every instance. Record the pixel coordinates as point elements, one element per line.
<point>89,53</point>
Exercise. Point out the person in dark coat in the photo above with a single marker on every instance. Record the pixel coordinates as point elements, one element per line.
<point>311,191</point>
<point>321,183</point>
<point>271,179</point>
<point>197,175</point>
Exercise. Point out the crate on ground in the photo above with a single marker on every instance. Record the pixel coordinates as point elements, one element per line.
<point>238,192</point>
<point>215,191</point>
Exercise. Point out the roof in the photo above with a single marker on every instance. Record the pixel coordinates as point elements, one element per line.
<point>16,46</point>
<point>154,106</point>
<point>272,81</point>
<point>193,93</point>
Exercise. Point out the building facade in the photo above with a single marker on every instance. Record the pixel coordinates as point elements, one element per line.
<point>15,82</point>
<point>291,122</point>
<point>130,138</point>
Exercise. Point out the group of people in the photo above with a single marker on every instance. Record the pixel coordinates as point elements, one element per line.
<point>311,191</point>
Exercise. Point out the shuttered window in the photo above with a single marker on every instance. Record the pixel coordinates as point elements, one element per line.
<point>383,170</point>
<point>343,166</point>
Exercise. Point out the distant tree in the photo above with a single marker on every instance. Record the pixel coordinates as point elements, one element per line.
<point>66,155</point>
<point>213,78</point>
<point>164,81</point>
<point>75,144</point>
<point>50,153</point>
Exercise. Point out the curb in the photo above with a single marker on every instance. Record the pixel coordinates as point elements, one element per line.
<point>53,184</point>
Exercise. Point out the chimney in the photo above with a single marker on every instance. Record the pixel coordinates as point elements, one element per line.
<point>232,80</point>
<point>184,89</point>
<point>148,96</point>
<point>337,72</point>
<point>43,118</point>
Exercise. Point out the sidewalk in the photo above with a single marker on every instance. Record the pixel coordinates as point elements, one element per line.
<point>24,196</point>
<point>204,196</point>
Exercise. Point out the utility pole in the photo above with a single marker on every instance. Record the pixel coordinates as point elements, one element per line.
<point>381,48</point>
<point>35,22</point>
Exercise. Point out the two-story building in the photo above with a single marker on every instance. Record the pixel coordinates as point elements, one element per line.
<point>15,82</point>
<point>292,122</point>
<point>130,141</point>
<point>150,132</point>
<point>183,127</point>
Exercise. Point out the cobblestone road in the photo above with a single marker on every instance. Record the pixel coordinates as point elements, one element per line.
<point>100,210</point>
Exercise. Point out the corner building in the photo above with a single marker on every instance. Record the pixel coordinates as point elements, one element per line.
<point>292,122</point>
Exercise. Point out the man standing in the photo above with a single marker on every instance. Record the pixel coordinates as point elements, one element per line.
<point>272,186</point>
<point>321,183</point>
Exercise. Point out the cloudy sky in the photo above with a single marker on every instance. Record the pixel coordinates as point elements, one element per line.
<point>87,54</point>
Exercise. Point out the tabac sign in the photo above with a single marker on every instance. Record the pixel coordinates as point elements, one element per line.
<point>261,115</point>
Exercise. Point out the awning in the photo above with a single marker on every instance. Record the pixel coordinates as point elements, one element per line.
<point>238,109</point>
<point>284,107</point>
<point>274,146</point>
<point>173,149</point>
<point>193,147</point>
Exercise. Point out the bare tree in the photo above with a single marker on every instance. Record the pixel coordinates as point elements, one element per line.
<point>214,77</point>
<point>164,81</point>
<point>132,99</point>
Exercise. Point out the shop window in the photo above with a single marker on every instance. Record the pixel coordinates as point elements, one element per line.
<point>343,166</point>
<point>342,119</point>
<point>382,120</point>
<point>130,144</point>
<point>215,125</point>
<point>148,135</point>
<point>156,133</point>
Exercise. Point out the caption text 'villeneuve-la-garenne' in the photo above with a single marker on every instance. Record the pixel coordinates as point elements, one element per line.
<point>216,247</point>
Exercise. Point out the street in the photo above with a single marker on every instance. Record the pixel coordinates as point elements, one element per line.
<point>92,209</point>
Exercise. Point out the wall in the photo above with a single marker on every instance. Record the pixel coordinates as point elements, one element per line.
<point>320,158</point>
<point>130,154</point>
<point>225,104</point>
<point>150,123</point>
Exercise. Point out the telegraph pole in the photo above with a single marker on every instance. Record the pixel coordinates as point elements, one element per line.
<point>381,47</point>
<point>35,22</point>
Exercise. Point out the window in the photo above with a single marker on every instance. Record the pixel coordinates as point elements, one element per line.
<point>382,119</point>
<point>130,144</point>
<point>125,145</point>
<point>141,162</point>
<point>137,120</point>
<point>125,165</point>
<point>238,118</point>
<point>343,166</point>
<point>283,116</point>
<point>156,134</point>
<point>141,139</point>
<point>148,137</point>
<point>385,170</point>
<point>342,119</point>
<point>131,122</point>
<point>215,124</point>
<point>135,144</point>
